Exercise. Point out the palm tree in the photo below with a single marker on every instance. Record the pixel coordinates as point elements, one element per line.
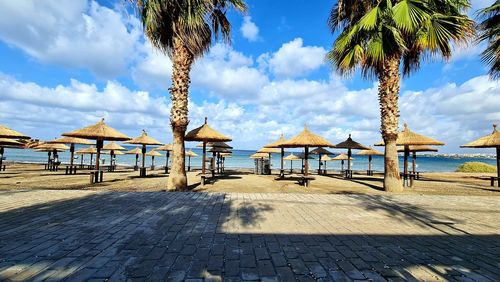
<point>183,29</point>
<point>490,32</point>
<point>386,37</point>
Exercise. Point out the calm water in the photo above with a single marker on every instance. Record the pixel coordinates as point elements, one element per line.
<point>240,159</point>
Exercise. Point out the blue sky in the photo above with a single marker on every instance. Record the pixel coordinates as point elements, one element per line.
<point>66,64</point>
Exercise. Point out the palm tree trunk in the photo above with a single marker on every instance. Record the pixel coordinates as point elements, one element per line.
<point>389,115</point>
<point>182,61</point>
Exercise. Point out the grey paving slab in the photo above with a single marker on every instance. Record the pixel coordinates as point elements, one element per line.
<point>96,236</point>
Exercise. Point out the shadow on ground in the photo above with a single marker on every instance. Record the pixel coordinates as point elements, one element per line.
<point>176,236</point>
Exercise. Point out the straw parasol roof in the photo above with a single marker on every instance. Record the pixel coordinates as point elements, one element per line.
<point>6,132</point>
<point>341,157</point>
<point>97,131</point>
<point>70,140</point>
<point>190,153</point>
<point>219,150</point>
<point>49,150</point>
<point>136,151</point>
<point>116,153</point>
<point>326,158</point>
<point>215,145</point>
<point>291,157</point>
<point>113,146</point>
<point>153,153</point>
<point>144,139</point>
<point>89,150</point>
<point>269,150</point>
<point>226,154</point>
<point>351,144</point>
<point>370,152</point>
<point>320,151</point>
<point>306,139</point>
<point>206,134</point>
<point>277,143</point>
<point>408,137</point>
<point>302,156</point>
<point>259,156</point>
<point>166,147</point>
<point>10,142</point>
<point>50,146</point>
<point>419,148</point>
<point>488,141</point>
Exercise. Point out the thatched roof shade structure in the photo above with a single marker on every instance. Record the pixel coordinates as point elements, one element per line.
<point>302,156</point>
<point>113,147</point>
<point>350,145</point>
<point>153,153</point>
<point>215,145</point>
<point>277,144</point>
<point>306,139</point>
<point>10,142</point>
<point>419,148</point>
<point>326,158</point>
<point>99,132</point>
<point>144,139</point>
<point>321,152</point>
<point>135,151</point>
<point>190,153</point>
<point>219,150</point>
<point>89,150</point>
<point>72,141</point>
<point>206,134</point>
<point>259,156</point>
<point>341,157</point>
<point>489,141</point>
<point>226,154</point>
<point>269,150</point>
<point>370,152</point>
<point>52,146</point>
<point>115,153</point>
<point>165,148</point>
<point>6,132</point>
<point>292,157</point>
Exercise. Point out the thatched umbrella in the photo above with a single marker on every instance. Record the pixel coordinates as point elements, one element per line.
<point>259,156</point>
<point>320,151</point>
<point>488,141</point>
<point>99,132</point>
<point>9,143</point>
<point>136,152</point>
<point>306,139</point>
<point>269,151</point>
<point>302,157</point>
<point>216,151</point>
<point>165,148</point>
<point>414,150</point>
<point>6,132</point>
<point>205,134</point>
<point>342,158</point>
<point>291,158</point>
<point>409,138</point>
<point>91,150</point>
<point>370,152</point>
<point>223,156</point>
<point>220,147</point>
<point>215,145</point>
<point>276,144</point>
<point>144,140</point>
<point>325,158</point>
<point>113,148</point>
<point>350,145</point>
<point>190,154</point>
<point>153,154</point>
<point>52,148</point>
<point>72,141</point>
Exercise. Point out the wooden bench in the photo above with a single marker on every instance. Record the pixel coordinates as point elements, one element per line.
<point>347,173</point>
<point>96,176</point>
<point>304,180</point>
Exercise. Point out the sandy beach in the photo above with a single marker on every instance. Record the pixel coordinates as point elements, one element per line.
<point>33,176</point>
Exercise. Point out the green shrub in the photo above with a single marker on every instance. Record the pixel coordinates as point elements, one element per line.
<point>476,167</point>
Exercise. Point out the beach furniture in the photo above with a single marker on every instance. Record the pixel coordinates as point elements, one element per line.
<point>350,145</point>
<point>414,174</point>
<point>7,143</point>
<point>52,149</point>
<point>144,140</point>
<point>489,141</point>
<point>276,144</point>
<point>407,138</point>
<point>269,151</point>
<point>342,158</point>
<point>260,163</point>
<point>8,137</point>
<point>205,134</point>
<point>370,152</point>
<point>320,152</point>
<point>306,139</point>
<point>190,154</point>
<point>99,132</point>
<point>71,169</point>
<point>216,158</point>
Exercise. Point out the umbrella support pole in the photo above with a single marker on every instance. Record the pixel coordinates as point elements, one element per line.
<point>369,172</point>
<point>2,166</point>
<point>498,166</point>
<point>166,162</point>
<point>282,170</point>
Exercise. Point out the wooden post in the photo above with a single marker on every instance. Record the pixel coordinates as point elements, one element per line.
<point>414,163</point>
<point>1,157</point>
<point>498,165</point>
<point>282,170</point>
<point>91,158</point>
<point>291,166</point>
<point>143,170</point>
<point>319,163</point>
<point>405,170</point>
<point>306,166</point>
<point>99,144</point>
<point>204,158</point>
<point>48,160</point>
<point>189,163</point>
<point>81,161</point>
<point>349,153</point>
<point>166,162</point>
<point>342,165</point>
<point>72,151</point>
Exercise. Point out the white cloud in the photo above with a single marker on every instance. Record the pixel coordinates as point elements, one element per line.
<point>249,29</point>
<point>294,59</point>
<point>75,33</point>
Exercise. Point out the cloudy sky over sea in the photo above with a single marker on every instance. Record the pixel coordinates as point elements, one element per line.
<point>66,64</point>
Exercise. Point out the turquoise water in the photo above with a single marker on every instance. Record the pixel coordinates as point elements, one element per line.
<point>240,159</point>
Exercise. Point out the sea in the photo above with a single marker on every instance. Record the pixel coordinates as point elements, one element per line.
<point>241,159</point>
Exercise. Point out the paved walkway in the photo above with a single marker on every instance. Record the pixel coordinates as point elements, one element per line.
<point>85,235</point>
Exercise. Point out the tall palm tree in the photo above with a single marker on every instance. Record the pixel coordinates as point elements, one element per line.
<point>490,32</point>
<point>386,37</point>
<point>183,29</point>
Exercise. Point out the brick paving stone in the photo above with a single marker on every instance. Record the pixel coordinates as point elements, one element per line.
<point>90,235</point>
